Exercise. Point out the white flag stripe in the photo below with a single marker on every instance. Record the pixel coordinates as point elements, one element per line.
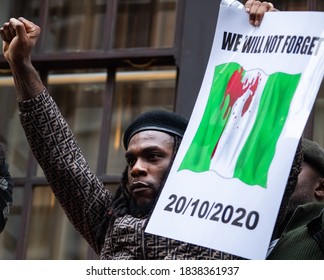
<point>237,128</point>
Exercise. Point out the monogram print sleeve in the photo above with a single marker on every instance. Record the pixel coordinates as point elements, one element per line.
<point>80,193</point>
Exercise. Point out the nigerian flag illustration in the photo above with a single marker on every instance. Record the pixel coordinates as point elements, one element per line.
<point>241,124</point>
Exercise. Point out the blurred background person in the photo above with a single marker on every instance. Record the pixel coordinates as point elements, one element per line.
<point>302,235</point>
<point>6,187</point>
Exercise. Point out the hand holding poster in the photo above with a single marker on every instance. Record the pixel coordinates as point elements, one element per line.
<point>227,182</point>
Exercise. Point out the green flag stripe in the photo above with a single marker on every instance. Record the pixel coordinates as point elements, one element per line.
<point>258,151</point>
<point>198,156</point>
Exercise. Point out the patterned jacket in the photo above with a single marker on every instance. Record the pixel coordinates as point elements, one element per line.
<point>84,198</point>
<point>6,186</point>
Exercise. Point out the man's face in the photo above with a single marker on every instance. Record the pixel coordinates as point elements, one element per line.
<point>308,181</point>
<point>148,157</point>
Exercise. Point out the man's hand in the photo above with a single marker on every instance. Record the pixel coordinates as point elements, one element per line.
<point>19,37</point>
<point>257,9</point>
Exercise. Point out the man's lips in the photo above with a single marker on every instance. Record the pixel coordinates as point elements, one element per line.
<point>139,186</point>
<point>142,192</point>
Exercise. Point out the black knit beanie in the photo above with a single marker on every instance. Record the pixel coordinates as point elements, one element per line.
<point>169,122</point>
<point>314,155</point>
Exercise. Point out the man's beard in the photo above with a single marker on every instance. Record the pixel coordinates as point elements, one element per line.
<point>140,211</point>
<point>290,210</point>
<point>292,206</point>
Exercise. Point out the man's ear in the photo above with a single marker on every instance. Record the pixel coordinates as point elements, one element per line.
<point>319,190</point>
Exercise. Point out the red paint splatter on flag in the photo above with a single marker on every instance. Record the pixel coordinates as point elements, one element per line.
<point>236,89</point>
<point>252,87</point>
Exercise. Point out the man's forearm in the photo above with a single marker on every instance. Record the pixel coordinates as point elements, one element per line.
<point>27,81</point>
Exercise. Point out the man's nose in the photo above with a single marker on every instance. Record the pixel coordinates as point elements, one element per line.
<point>139,168</point>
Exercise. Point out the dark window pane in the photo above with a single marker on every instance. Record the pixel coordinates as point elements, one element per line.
<point>17,8</point>
<point>75,25</point>
<point>291,5</point>
<point>51,235</point>
<point>145,23</point>
<point>320,5</point>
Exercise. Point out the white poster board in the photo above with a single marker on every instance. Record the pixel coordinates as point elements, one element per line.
<point>226,184</point>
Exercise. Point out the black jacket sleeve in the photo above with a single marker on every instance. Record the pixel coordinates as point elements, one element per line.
<point>6,188</point>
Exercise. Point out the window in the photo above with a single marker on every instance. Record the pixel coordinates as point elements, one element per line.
<point>104,62</point>
<point>145,23</point>
<point>68,19</point>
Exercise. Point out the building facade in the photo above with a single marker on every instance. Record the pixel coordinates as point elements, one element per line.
<point>104,62</point>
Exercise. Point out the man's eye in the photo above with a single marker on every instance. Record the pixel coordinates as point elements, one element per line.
<point>131,161</point>
<point>154,156</point>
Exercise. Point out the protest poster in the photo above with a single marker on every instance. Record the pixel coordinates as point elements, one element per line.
<point>227,181</point>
